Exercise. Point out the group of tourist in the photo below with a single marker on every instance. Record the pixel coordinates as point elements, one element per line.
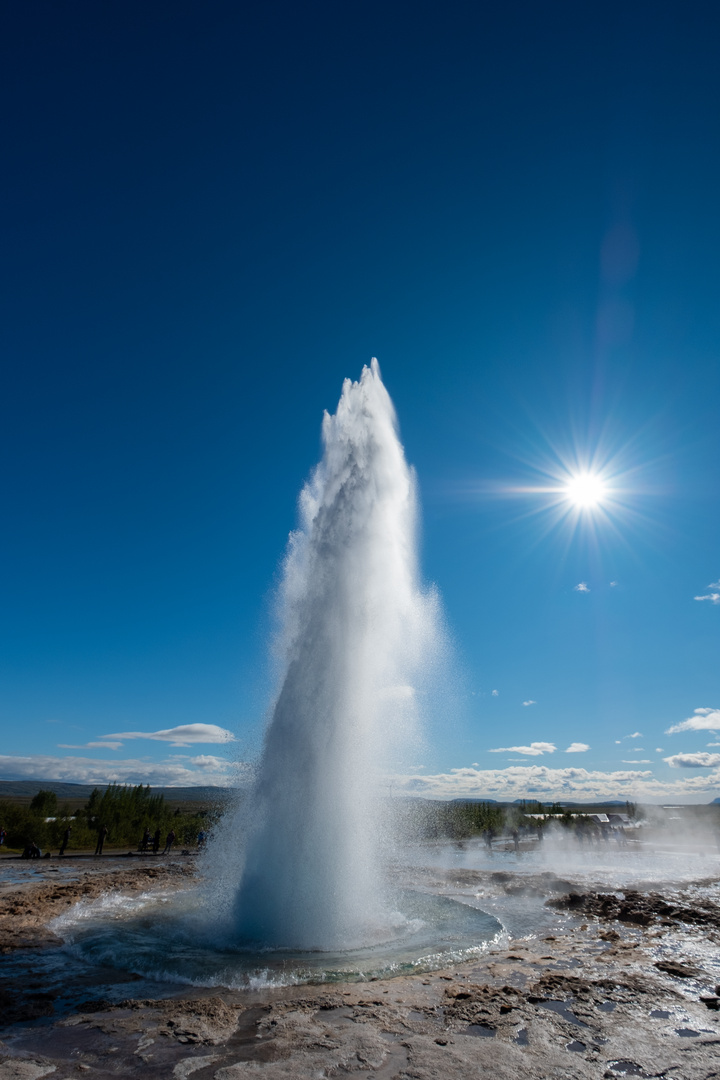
<point>149,841</point>
<point>583,833</point>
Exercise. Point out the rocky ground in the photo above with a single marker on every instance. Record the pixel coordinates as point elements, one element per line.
<point>26,909</point>
<point>628,989</point>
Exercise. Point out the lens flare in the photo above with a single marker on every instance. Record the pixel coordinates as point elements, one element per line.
<point>585,490</point>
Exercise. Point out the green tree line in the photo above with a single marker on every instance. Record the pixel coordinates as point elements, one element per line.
<point>126,811</point>
<point>457,820</point>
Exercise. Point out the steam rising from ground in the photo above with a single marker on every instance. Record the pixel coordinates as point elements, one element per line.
<point>357,634</point>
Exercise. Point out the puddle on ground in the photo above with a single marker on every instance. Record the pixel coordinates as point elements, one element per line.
<point>660,1014</point>
<point>687,1033</point>
<point>625,1068</point>
<point>576,1047</point>
<point>562,1009</point>
<point>482,1030</point>
<point>607,1006</point>
<point>522,1037</point>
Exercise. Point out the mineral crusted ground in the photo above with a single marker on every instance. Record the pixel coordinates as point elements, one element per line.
<point>627,990</point>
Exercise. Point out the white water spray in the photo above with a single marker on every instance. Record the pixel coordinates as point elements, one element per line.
<point>357,632</point>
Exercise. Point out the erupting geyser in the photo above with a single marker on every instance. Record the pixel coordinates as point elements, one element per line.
<point>303,881</point>
<point>357,631</point>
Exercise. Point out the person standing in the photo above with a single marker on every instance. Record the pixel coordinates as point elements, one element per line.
<point>102,833</point>
<point>156,841</point>
<point>65,839</point>
<point>169,841</point>
<point>144,843</point>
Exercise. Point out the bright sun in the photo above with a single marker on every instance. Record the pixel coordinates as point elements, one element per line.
<point>585,490</point>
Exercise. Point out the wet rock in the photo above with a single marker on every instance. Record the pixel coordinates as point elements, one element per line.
<point>680,971</point>
<point>24,911</point>
<point>19,1069</point>
<point>95,1005</point>
<point>556,884</point>
<point>187,1066</point>
<point>205,1020</point>
<point>21,1007</point>
<point>642,909</point>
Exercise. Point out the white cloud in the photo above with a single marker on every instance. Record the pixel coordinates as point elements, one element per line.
<point>637,750</point>
<point>618,741</point>
<point>90,746</point>
<point>659,749</point>
<point>636,761</point>
<point>577,748</point>
<point>530,702</point>
<point>701,760</point>
<point>184,735</point>
<point>635,735</point>
<point>543,782</point>
<point>703,720</point>
<point>208,761</point>
<point>582,587</point>
<point>495,693</point>
<point>713,597</point>
<point>533,750</point>
<point>713,744</point>
<point>613,584</point>
<point>178,771</point>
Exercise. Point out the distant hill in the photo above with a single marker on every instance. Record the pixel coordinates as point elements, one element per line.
<point>25,789</point>
<point>547,802</point>
<point>493,801</point>
<point>588,802</point>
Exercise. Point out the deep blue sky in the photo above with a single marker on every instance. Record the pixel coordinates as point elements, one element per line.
<point>212,214</point>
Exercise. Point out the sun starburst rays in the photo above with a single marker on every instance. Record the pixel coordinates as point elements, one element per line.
<point>599,496</point>
<point>586,490</point>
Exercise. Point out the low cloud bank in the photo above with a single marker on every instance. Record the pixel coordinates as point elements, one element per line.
<point>545,783</point>
<point>177,771</point>
<point>700,782</point>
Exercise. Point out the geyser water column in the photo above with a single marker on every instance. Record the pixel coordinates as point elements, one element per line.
<point>356,630</point>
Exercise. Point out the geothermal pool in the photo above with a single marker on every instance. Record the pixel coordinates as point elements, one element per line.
<point>161,937</point>
<point>451,903</point>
